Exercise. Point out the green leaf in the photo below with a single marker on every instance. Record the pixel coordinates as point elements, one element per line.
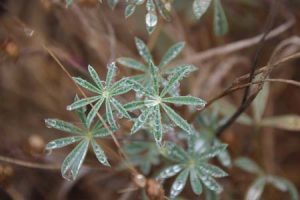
<point>140,121</point>
<point>185,100</point>
<point>157,126</point>
<point>99,153</point>
<point>285,122</point>
<point>169,172</point>
<point>212,170</point>
<point>223,157</point>
<point>134,105</point>
<point>172,53</point>
<point>112,3</point>
<point>177,119</point>
<point>174,152</point>
<point>81,113</point>
<point>112,69</point>
<point>129,10</point>
<point>74,160</point>
<point>87,85</point>
<point>212,152</point>
<point>154,77</point>
<point>95,77</point>
<point>164,12</point>
<point>200,7</point>
<point>285,185</point>
<point>110,116</point>
<point>94,112</point>
<point>248,165</point>
<point>62,142</point>
<point>209,182</point>
<point>179,183</point>
<point>256,189</point>
<point>83,102</point>
<point>143,50</point>
<point>119,107</point>
<point>131,63</point>
<point>62,126</point>
<point>100,132</point>
<point>120,87</point>
<point>139,88</point>
<point>173,70</point>
<point>174,78</point>
<point>220,20</point>
<point>68,3</point>
<point>195,182</point>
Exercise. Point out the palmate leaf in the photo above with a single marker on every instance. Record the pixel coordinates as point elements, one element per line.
<point>185,100</point>
<point>94,112</point>
<point>81,113</point>
<point>200,7</point>
<point>220,20</point>
<point>112,69</point>
<point>62,142</point>
<point>171,53</point>
<point>62,126</point>
<point>195,182</point>
<point>169,172</point>
<point>119,107</point>
<point>131,63</point>
<point>256,189</point>
<point>209,182</point>
<point>110,117</point>
<point>134,105</point>
<point>99,153</point>
<point>174,152</point>
<point>157,125</point>
<point>164,12</point>
<point>248,165</point>
<point>143,50</point>
<point>83,102</point>
<point>87,85</point>
<point>212,170</point>
<point>73,161</point>
<point>177,119</point>
<point>179,183</point>
<point>95,77</point>
<point>129,10</point>
<point>212,152</point>
<point>141,120</point>
<point>154,77</point>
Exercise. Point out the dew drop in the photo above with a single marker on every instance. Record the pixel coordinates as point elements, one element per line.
<point>28,32</point>
<point>151,19</point>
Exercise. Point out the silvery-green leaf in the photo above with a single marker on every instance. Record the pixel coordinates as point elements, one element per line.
<point>177,119</point>
<point>154,77</point>
<point>179,183</point>
<point>157,125</point>
<point>256,189</point>
<point>175,152</point>
<point>211,170</point>
<point>134,105</point>
<point>200,7</point>
<point>100,132</point>
<point>112,69</point>
<point>220,20</point>
<point>174,78</point>
<point>209,182</point>
<point>81,113</point>
<point>195,182</point>
<point>62,142</point>
<point>143,50</point>
<point>224,156</point>
<point>139,88</point>
<point>140,121</point>
<point>169,172</point>
<point>164,12</point>
<point>87,85</point>
<point>212,152</point>
<point>95,77</point>
<point>83,102</point>
<point>119,107</point>
<point>115,91</point>
<point>110,117</point>
<point>248,165</point>
<point>94,112</point>
<point>175,69</point>
<point>132,63</point>
<point>277,182</point>
<point>73,161</point>
<point>68,3</point>
<point>185,100</point>
<point>129,10</point>
<point>172,53</point>
<point>62,126</point>
<point>112,3</point>
<point>284,185</point>
<point>211,195</point>
<point>99,153</point>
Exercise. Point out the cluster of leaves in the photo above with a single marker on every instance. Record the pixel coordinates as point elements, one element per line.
<point>164,8</point>
<point>193,164</point>
<point>256,189</point>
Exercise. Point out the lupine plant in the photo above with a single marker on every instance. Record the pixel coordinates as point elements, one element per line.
<point>256,189</point>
